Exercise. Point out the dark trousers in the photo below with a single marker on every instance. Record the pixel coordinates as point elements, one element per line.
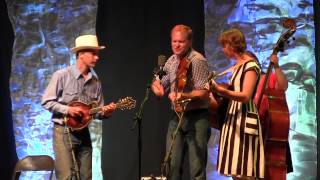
<point>190,141</point>
<point>81,143</point>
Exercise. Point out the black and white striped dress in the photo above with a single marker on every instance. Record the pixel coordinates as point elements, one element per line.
<point>241,151</point>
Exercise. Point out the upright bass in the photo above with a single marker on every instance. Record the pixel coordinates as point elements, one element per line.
<point>276,122</point>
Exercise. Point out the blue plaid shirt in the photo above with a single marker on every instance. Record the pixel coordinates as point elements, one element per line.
<point>67,85</point>
<point>197,76</point>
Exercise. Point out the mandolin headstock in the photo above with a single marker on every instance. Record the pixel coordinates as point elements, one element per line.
<point>126,103</point>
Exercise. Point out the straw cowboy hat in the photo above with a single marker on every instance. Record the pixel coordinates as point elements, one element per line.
<point>86,42</point>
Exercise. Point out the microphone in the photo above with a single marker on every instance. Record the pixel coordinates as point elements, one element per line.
<point>161,62</point>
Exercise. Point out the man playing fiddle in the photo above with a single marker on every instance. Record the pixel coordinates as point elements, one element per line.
<point>186,74</point>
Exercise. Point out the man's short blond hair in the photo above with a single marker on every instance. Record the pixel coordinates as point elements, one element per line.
<point>184,29</point>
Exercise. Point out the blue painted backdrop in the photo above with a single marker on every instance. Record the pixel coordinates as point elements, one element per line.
<point>261,21</point>
<point>45,30</point>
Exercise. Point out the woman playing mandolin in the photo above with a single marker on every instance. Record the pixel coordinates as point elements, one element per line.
<point>241,150</point>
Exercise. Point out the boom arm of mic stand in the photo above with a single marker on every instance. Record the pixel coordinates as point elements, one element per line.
<point>138,116</point>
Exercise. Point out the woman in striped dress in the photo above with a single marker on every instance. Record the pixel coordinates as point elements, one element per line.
<point>241,151</point>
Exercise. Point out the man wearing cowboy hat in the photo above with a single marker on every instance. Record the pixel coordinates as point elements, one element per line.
<point>77,82</point>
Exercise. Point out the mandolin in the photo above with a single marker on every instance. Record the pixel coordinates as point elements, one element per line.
<point>80,122</point>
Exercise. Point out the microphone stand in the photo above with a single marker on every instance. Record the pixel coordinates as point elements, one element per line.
<point>165,166</point>
<point>137,121</point>
<point>158,73</point>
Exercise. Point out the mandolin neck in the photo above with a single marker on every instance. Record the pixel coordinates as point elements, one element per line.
<point>98,109</point>
<point>95,110</point>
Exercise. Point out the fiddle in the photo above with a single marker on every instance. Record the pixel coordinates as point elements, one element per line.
<point>182,74</point>
<point>181,79</point>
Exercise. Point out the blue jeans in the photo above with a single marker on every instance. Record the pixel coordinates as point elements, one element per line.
<point>191,140</point>
<point>81,142</point>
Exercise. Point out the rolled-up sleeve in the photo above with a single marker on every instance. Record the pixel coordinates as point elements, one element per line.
<point>51,94</point>
<point>165,81</point>
<point>200,70</point>
<point>100,101</point>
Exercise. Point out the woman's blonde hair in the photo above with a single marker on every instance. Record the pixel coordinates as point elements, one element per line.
<point>235,38</point>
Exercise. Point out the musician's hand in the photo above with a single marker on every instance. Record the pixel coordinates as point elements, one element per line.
<point>172,96</point>
<point>180,96</point>
<point>213,85</point>
<point>213,103</point>
<point>157,88</point>
<point>274,58</point>
<point>75,111</point>
<point>108,109</point>
<point>207,86</point>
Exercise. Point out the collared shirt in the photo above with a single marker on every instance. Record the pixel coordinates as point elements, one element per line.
<point>197,76</point>
<point>68,85</point>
